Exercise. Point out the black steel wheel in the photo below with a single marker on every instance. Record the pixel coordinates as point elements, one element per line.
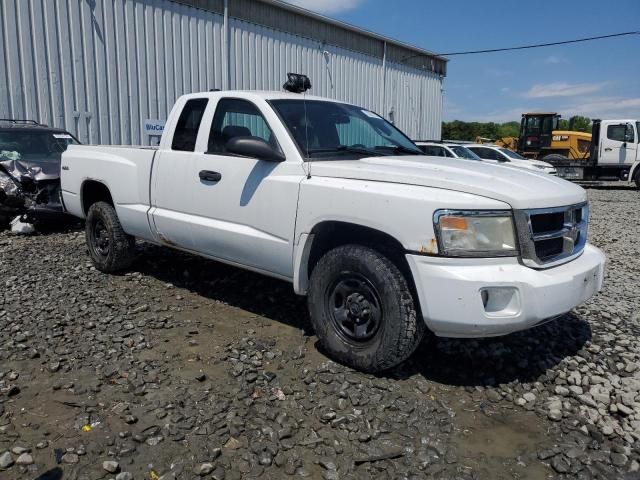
<point>100,238</point>
<point>110,248</point>
<point>362,309</point>
<point>354,305</point>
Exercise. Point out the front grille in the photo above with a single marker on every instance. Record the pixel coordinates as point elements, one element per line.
<point>550,236</point>
<point>548,248</point>
<point>547,222</point>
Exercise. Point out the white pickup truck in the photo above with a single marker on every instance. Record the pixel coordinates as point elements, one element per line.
<point>388,244</point>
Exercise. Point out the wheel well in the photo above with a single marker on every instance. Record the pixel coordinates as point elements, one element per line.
<point>331,234</point>
<point>92,192</point>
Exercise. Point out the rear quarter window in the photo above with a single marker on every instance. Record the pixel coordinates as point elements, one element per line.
<point>186,132</point>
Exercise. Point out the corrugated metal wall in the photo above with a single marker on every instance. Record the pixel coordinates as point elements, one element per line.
<point>99,68</point>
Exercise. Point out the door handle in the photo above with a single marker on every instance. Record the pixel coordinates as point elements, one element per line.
<point>209,176</point>
<point>608,149</point>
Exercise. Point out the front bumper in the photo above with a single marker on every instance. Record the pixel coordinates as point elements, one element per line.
<point>497,296</point>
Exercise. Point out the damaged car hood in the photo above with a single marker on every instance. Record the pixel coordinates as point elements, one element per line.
<point>518,187</point>
<point>37,171</point>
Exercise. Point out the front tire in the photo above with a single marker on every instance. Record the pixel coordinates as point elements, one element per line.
<point>110,248</point>
<point>362,309</point>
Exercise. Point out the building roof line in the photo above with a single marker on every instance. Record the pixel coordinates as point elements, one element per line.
<point>347,26</point>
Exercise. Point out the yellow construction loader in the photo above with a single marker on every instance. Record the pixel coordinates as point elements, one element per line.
<point>539,138</point>
<point>610,152</point>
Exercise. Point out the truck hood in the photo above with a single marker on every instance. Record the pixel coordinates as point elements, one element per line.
<point>520,188</point>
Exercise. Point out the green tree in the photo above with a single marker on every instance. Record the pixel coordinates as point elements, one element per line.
<point>509,129</point>
<point>580,124</point>
<point>577,123</point>
<point>468,131</point>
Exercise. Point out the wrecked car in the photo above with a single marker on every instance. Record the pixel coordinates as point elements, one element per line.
<point>30,156</point>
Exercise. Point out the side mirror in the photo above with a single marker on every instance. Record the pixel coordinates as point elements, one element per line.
<point>254,147</point>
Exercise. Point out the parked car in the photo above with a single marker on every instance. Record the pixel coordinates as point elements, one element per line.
<point>30,171</point>
<point>495,154</point>
<point>442,149</point>
<point>385,242</point>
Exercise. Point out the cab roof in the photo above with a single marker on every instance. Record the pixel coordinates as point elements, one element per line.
<point>263,94</point>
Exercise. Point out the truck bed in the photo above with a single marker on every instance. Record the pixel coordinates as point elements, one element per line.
<point>124,170</point>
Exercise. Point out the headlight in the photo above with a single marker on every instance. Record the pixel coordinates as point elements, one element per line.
<point>475,233</point>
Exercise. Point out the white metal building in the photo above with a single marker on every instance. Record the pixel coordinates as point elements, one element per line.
<point>100,68</point>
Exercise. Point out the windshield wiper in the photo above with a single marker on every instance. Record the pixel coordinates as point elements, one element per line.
<point>364,150</point>
<point>410,151</point>
<point>347,149</point>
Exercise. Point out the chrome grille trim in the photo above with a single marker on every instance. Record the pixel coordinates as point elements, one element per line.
<point>573,233</point>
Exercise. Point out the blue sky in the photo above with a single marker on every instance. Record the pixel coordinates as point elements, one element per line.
<point>599,79</point>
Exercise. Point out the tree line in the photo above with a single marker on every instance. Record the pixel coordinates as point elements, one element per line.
<point>459,130</point>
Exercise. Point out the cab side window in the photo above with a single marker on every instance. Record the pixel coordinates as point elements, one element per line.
<point>616,132</point>
<point>492,154</point>
<point>485,153</point>
<point>432,150</point>
<point>237,118</point>
<point>186,132</point>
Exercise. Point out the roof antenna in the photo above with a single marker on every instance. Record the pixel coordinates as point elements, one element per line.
<point>299,83</point>
<point>306,133</point>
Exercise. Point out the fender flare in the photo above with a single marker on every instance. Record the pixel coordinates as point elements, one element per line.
<point>300,263</point>
<point>635,170</point>
<point>85,181</point>
<point>348,232</point>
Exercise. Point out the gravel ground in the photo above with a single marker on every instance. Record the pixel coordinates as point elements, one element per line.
<point>185,368</point>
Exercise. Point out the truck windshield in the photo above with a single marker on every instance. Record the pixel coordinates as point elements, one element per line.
<point>464,152</point>
<point>326,130</point>
<point>40,146</point>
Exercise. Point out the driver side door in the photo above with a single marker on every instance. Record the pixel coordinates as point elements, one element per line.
<point>245,207</point>
<point>618,144</point>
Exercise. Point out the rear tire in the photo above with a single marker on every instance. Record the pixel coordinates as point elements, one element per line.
<point>554,157</point>
<point>110,248</point>
<point>362,309</point>
<point>637,179</point>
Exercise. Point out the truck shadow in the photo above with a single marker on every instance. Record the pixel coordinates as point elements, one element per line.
<point>255,293</point>
<point>523,356</point>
